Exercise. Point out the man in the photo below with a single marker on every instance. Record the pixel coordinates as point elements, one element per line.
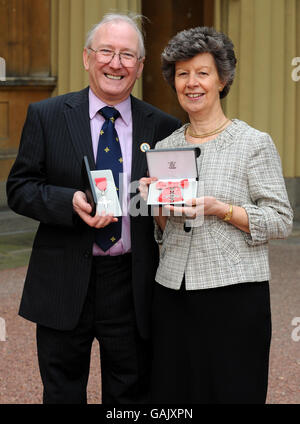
<point>76,289</point>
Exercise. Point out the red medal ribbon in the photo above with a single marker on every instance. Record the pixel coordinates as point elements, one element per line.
<point>101,183</point>
<point>160,185</point>
<point>171,190</point>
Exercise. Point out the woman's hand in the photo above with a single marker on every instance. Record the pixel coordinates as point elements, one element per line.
<point>194,207</point>
<point>157,210</point>
<point>209,205</point>
<point>144,186</point>
<point>199,206</point>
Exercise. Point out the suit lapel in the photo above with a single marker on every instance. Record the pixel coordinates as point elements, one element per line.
<point>78,123</point>
<point>143,132</point>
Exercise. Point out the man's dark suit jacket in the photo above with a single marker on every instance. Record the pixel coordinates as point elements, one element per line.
<point>41,185</point>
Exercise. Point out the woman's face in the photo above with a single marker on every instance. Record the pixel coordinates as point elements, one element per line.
<point>197,84</point>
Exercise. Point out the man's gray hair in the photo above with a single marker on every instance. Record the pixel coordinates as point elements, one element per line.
<point>188,43</point>
<point>131,19</point>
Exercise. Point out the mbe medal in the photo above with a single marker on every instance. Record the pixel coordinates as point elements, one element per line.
<point>101,184</point>
<point>176,172</point>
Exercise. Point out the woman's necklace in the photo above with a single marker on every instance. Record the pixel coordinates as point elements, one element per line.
<point>216,131</point>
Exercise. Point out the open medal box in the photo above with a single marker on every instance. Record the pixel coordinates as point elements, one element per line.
<point>177,173</point>
<point>100,190</point>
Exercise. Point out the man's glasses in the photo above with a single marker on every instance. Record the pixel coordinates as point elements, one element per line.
<point>127,59</point>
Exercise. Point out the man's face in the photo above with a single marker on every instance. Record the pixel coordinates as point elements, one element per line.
<point>113,82</point>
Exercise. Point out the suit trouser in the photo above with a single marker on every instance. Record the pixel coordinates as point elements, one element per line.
<point>108,315</point>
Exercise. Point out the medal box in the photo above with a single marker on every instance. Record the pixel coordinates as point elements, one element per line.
<point>100,190</point>
<point>177,173</point>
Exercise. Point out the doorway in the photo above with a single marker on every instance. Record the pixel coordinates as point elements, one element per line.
<point>164,19</point>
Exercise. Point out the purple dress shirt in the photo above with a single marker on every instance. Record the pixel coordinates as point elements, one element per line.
<point>123,127</point>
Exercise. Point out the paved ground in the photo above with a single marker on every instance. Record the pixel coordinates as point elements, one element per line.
<point>19,376</point>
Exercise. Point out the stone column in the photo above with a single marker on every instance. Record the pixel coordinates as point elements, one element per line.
<point>266,90</point>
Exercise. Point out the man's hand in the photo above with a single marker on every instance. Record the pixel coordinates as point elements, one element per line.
<point>83,209</point>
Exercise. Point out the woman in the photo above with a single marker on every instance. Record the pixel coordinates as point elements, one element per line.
<point>211,310</point>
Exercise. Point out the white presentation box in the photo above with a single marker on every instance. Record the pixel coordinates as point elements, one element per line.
<point>100,190</point>
<point>177,173</point>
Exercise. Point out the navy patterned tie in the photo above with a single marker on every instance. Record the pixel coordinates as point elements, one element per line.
<point>109,156</point>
